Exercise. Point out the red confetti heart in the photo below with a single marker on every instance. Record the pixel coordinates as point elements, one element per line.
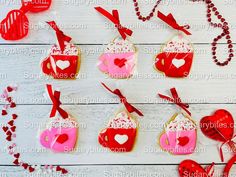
<point>183,140</point>
<point>9,133</point>
<point>58,168</point>
<point>25,165</point>
<point>8,138</point>
<point>9,89</point>
<point>64,171</point>
<point>11,123</point>
<point>120,62</point>
<point>17,155</point>
<point>219,126</point>
<point>13,129</point>
<point>4,112</point>
<point>13,105</point>
<point>9,99</point>
<point>14,116</point>
<point>31,169</point>
<point>4,129</point>
<point>189,168</point>
<point>16,162</point>
<point>62,138</point>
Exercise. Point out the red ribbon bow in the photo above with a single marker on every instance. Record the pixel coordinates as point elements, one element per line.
<point>170,20</point>
<point>114,18</point>
<point>123,100</point>
<point>55,97</point>
<point>176,99</point>
<point>231,144</point>
<point>61,37</point>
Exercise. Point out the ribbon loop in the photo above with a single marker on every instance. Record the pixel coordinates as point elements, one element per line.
<point>61,37</point>
<point>114,18</point>
<point>123,100</point>
<point>55,98</point>
<point>170,20</point>
<point>176,99</point>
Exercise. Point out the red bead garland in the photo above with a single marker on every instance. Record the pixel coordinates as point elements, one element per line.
<point>151,14</point>
<point>223,24</point>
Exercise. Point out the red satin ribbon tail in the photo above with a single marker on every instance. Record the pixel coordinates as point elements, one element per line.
<point>210,169</point>
<point>228,166</point>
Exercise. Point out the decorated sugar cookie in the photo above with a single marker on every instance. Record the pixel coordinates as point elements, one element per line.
<point>180,134</point>
<point>120,56</point>
<point>176,57</point>
<point>61,132</point>
<point>121,131</point>
<point>63,61</point>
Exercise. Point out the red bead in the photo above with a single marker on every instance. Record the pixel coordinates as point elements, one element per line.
<point>138,13</point>
<point>217,13</point>
<point>136,4</point>
<point>219,16</point>
<point>231,55</point>
<point>136,8</point>
<point>214,9</point>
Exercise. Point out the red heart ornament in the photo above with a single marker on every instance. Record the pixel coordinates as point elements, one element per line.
<point>183,140</point>
<point>62,138</point>
<point>120,62</point>
<point>190,168</point>
<point>219,126</point>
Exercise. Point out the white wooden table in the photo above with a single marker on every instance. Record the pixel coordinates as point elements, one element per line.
<point>208,88</point>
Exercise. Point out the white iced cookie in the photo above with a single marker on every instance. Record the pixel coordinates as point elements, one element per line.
<point>180,122</point>
<point>122,120</point>
<point>120,45</point>
<point>178,44</point>
<point>70,49</point>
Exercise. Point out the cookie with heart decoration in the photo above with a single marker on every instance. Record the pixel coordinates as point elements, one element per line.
<point>63,61</point>
<point>190,168</point>
<point>119,59</point>
<point>180,135</point>
<point>219,127</point>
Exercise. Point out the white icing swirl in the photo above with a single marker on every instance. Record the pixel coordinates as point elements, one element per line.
<point>122,120</point>
<point>70,49</point>
<point>179,123</point>
<point>120,45</point>
<point>178,44</point>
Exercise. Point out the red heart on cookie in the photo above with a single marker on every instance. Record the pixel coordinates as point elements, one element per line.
<point>183,140</point>
<point>120,62</point>
<point>219,126</point>
<point>62,138</point>
<point>189,168</point>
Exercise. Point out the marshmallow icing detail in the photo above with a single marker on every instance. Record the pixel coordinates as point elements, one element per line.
<point>70,49</point>
<point>120,45</point>
<point>179,123</point>
<point>122,120</point>
<point>178,44</point>
<point>62,123</point>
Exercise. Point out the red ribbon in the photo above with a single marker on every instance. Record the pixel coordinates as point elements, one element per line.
<point>176,99</point>
<point>228,166</point>
<point>210,169</point>
<point>170,20</point>
<point>231,144</point>
<point>123,100</point>
<point>55,97</point>
<point>114,18</point>
<point>61,37</point>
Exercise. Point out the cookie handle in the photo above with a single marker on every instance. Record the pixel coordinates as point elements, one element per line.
<point>164,143</point>
<point>102,65</point>
<point>46,66</point>
<point>160,62</point>
<point>45,139</point>
<point>103,138</point>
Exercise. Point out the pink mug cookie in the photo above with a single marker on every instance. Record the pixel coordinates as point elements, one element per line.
<point>61,136</point>
<point>119,59</point>
<point>180,135</point>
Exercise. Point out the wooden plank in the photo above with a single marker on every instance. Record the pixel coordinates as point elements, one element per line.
<point>111,170</point>
<point>85,25</point>
<point>92,119</point>
<point>207,83</point>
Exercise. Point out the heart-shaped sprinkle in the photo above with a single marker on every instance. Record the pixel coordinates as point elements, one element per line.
<point>13,105</point>
<point>9,133</point>
<point>8,138</point>
<point>25,165</point>
<point>9,99</point>
<point>64,171</point>
<point>4,112</point>
<point>4,129</point>
<point>13,129</point>
<point>120,62</point>
<point>183,140</point>
<point>17,155</point>
<point>62,64</point>
<point>62,138</point>
<point>9,89</point>
<point>16,162</point>
<point>121,139</point>
<point>11,123</point>
<point>178,62</point>
<point>31,169</point>
<point>58,168</point>
<point>14,116</point>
